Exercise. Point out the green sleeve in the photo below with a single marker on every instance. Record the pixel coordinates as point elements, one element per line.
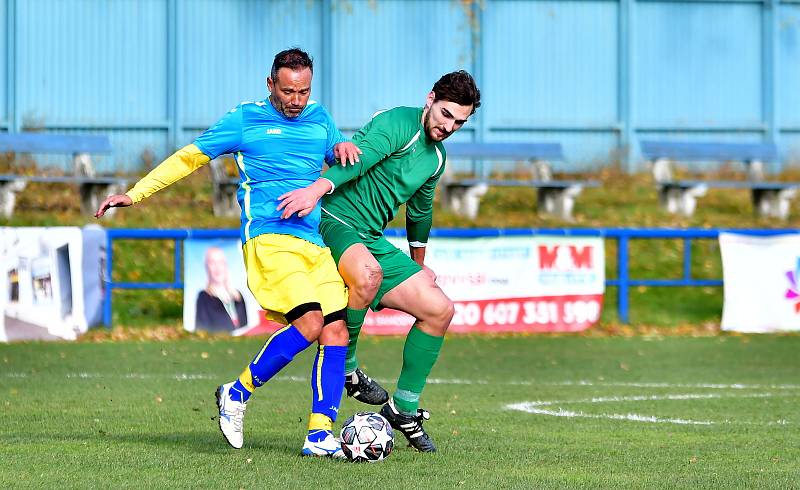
<point>377,140</point>
<point>419,211</point>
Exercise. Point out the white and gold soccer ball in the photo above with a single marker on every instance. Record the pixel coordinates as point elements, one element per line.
<point>367,436</point>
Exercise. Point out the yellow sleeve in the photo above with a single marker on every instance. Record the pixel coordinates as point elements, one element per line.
<point>179,165</point>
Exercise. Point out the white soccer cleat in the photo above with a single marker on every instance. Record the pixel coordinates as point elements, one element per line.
<point>231,416</point>
<point>327,447</point>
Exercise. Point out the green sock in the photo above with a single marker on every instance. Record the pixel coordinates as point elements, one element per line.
<point>419,356</point>
<point>355,319</point>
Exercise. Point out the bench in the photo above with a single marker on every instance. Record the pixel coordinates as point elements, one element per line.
<point>93,189</point>
<point>770,199</point>
<point>555,197</point>
<point>225,187</point>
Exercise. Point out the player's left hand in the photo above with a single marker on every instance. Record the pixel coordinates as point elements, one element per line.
<point>347,152</point>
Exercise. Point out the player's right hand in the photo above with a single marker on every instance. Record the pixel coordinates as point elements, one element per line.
<point>347,152</point>
<point>115,201</point>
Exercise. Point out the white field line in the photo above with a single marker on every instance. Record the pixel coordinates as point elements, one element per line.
<point>534,407</point>
<point>441,381</point>
<point>529,407</point>
<point>614,416</point>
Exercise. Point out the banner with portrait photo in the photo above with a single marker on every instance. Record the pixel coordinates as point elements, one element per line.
<point>51,282</point>
<point>511,284</point>
<point>216,297</point>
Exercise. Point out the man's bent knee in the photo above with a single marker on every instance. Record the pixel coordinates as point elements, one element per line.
<point>440,317</point>
<point>334,332</point>
<point>309,324</point>
<point>366,282</point>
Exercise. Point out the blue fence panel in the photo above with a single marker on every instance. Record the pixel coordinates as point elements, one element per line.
<point>390,53</point>
<point>225,51</point>
<point>90,64</point>
<point>789,65</point>
<point>594,74</point>
<point>698,64</point>
<point>550,64</point>
<point>551,74</point>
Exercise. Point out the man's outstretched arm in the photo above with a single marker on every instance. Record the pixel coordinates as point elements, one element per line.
<point>179,165</point>
<point>376,141</point>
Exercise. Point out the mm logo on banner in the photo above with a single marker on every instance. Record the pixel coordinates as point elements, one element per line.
<point>565,257</point>
<point>566,264</point>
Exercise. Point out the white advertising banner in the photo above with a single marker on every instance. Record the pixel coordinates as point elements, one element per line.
<point>512,284</point>
<point>761,276</point>
<point>52,283</point>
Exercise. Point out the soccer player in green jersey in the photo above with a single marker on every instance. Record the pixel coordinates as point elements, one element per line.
<point>403,160</point>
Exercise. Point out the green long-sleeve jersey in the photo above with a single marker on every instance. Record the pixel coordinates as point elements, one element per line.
<point>399,165</point>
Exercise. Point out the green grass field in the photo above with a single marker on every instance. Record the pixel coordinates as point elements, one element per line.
<point>592,412</point>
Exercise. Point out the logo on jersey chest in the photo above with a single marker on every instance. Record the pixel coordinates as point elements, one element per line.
<point>274,131</point>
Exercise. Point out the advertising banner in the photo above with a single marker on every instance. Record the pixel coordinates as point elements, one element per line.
<point>51,281</point>
<point>512,284</point>
<point>216,297</point>
<point>761,276</point>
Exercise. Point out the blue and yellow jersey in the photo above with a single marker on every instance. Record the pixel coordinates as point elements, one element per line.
<point>274,155</point>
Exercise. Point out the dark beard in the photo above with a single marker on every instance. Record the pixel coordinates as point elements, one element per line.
<point>426,124</point>
<point>281,108</point>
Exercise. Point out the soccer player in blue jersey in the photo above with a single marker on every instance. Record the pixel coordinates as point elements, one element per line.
<point>279,144</point>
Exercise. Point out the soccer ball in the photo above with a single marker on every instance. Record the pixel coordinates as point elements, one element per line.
<point>367,436</point>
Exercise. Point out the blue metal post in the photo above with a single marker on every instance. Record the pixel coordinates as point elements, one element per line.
<point>477,55</point>
<point>625,85</point>
<point>178,276</point>
<point>327,62</point>
<point>109,285</point>
<point>172,75</point>
<point>11,66</point>
<point>622,277</point>
<point>769,69</point>
<point>687,258</point>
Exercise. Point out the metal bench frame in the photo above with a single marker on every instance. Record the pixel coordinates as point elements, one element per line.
<point>225,187</point>
<point>770,199</point>
<point>553,197</point>
<point>93,189</point>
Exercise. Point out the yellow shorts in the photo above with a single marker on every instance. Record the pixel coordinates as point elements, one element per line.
<point>285,272</point>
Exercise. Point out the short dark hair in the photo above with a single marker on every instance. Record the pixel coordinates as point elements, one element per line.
<point>458,87</point>
<point>293,58</point>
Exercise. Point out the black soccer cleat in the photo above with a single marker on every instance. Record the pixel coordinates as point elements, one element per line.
<point>410,426</point>
<point>365,389</point>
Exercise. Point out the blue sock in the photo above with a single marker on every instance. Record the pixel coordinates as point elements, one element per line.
<point>278,351</point>
<point>318,435</point>
<point>327,380</point>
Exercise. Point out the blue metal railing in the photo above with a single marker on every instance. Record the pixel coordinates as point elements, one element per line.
<point>623,236</point>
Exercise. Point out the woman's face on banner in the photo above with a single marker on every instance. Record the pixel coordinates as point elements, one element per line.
<point>216,266</point>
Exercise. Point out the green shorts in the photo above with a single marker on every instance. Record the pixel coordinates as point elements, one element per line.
<point>396,265</point>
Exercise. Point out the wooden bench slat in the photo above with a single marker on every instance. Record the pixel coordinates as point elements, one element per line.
<point>698,151</point>
<point>769,198</point>
<point>54,143</point>
<point>65,179</point>
<point>505,151</point>
<point>93,189</point>
<point>732,184</point>
<point>526,183</point>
